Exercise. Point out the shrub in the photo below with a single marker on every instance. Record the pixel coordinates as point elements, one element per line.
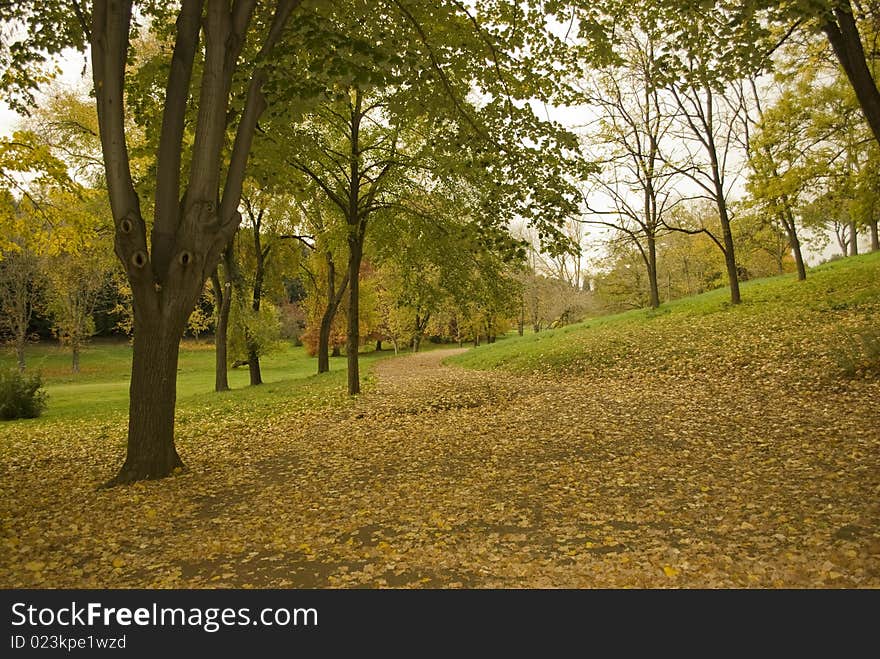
<point>21,396</point>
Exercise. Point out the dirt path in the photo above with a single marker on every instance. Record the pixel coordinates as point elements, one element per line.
<point>445,477</point>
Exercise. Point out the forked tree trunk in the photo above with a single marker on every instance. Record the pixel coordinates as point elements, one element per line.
<point>188,230</point>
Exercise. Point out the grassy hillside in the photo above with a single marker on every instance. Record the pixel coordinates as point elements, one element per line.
<point>814,331</point>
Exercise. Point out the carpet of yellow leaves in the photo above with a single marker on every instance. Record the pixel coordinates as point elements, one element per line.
<point>444,477</point>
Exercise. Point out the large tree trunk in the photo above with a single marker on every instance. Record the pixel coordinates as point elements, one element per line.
<point>353,340</point>
<point>153,391</point>
<point>223,297</point>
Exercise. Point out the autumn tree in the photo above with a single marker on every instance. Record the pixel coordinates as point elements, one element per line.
<point>634,122</point>
<point>196,210</point>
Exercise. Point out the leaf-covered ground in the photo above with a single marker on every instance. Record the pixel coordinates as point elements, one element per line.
<point>445,477</point>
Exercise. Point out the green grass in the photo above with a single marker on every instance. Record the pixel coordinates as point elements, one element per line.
<point>781,323</point>
<point>100,390</point>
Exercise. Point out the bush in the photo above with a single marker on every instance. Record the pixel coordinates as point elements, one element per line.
<point>21,396</point>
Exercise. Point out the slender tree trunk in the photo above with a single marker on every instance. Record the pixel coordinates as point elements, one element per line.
<point>324,340</point>
<point>75,350</point>
<point>654,289</point>
<point>378,345</point>
<point>729,254</point>
<point>853,239</point>
<point>875,239</point>
<point>223,298</point>
<point>153,391</point>
<point>254,367</point>
<point>257,296</point>
<point>19,352</point>
<point>327,317</point>
<point>335,352</point>
<point>521,324</point>
<point>798,257</point>
<point>794,242</point>
<point>353,339</point>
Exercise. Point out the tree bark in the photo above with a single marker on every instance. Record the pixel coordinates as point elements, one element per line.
<point>798,256</point>
<point>790,226</point>
<point>853,239</point>
<point>334,298</point>
<point>254,367</point>
<point>352,342</point>
<point>153,391</point>
<point>843,35</point>
<point>74,367</point>
<point>875,239</point>
<point>651,262</point>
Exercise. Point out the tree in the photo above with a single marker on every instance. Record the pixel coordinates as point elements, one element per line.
<point>634,123</point>
<point>21,292</point>
<point>709,113</point>
<point>194,217</point>
<point>327,284</point>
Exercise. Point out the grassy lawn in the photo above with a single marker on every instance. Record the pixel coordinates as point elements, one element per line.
<point>100,390</point>
<point>810,329</point>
